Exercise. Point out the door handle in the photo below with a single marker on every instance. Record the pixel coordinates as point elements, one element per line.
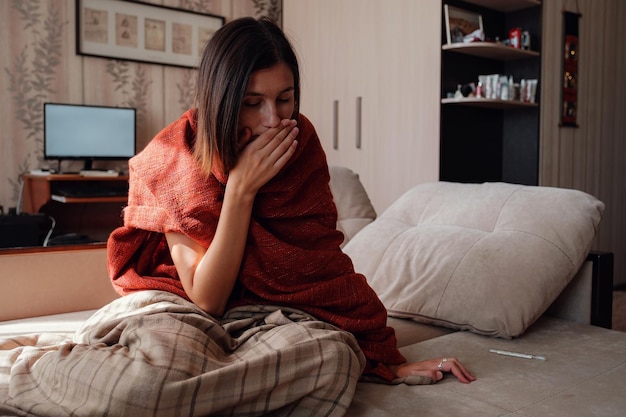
<point>359,102</point>
<point>336,124</point>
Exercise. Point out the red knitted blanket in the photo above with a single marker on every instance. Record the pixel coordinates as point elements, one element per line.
<point>292,256</point>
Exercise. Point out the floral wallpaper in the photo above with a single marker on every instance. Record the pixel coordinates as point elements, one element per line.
<point>40,64</point>
<point>30,78</point>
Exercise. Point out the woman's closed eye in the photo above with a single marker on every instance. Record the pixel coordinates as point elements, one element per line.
<point>285,99</point>
<point>252,103</point>
<point>256,103</point>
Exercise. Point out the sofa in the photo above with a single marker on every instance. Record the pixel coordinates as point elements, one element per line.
<point>500,276</point>
<point>468,269</point>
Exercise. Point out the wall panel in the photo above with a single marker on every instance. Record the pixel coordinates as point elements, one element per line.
<point>591,157</point>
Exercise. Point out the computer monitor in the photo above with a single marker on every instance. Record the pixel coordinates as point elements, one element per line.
<point>89,133</point>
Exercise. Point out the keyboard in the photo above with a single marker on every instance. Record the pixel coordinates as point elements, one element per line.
<point>90,191</point>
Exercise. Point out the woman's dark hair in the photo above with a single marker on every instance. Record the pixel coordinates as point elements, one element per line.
<point>235,51</point>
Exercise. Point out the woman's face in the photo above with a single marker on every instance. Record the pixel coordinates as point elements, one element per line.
<point>269,99</point>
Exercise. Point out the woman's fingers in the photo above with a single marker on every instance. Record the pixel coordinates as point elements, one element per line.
<point>285,148</point>
<point>462,374</point>
<point>276,145</point>
<point>268,137</point>
<point>457,369</point>
<point>435,369</point>
<point>264,156</point>
<point>279,139</point>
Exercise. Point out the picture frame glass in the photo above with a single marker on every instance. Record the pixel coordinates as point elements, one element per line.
<point>462,25</point>
<point>143,32</point>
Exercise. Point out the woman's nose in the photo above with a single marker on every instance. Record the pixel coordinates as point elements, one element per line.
<point>271,117</point>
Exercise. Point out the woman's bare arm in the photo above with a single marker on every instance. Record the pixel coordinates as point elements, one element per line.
<point>208,275</point>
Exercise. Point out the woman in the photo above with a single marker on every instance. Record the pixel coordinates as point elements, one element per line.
<point>230,206</point>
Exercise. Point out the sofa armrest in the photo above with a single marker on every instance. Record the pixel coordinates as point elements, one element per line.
<point>588,298</point>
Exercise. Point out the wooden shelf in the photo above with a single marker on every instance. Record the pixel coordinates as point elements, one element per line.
<point>69,200</point>
<point>505,6</point>
<point>95,217</point>
<point>40,189</point>
<point>488,103</point>
<point>76,177</point>
<point>490,50</point>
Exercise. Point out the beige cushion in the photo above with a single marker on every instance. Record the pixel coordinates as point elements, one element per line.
<point>354,208</point>
<point>489,258</point>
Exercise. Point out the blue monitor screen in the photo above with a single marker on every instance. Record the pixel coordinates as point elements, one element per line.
<point>88,132</point>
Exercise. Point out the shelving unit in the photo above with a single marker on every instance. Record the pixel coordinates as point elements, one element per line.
<point>95,217</point>
<point>485,139</point>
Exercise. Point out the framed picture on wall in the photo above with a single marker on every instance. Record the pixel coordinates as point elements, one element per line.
<point>461,24</point>
<point>143,32</point>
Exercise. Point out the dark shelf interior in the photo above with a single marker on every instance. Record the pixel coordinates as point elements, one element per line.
<point>481,144</point>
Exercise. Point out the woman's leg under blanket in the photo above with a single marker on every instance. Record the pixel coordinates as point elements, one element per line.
<point>175,360</point>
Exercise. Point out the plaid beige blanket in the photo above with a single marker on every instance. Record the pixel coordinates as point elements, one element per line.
<point>152,353</point>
